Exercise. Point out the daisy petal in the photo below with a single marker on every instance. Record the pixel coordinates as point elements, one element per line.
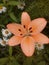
<point>41,38</point>
<point>37,25</point>
<point>16,29</point>
<point>15,40</point>
<point>28,46</point>
<point>25,19</point>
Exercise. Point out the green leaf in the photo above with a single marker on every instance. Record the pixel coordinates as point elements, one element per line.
<point>4,1</point>
<point>1,4</point>
<point>12,16</point>
<point>28,61</point>
<point>13,61</point>
<point>46,57</point>
<point>14,3</point>
<point>3,61</point>
<point>41,63</point>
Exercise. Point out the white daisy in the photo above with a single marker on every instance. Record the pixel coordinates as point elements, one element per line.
<point>6,32</point>
<point>4,41</point>
<point>39,46</point>
<point>2,9</point>
<point>21,6</point>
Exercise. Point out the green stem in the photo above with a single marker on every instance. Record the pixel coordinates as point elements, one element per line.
<point>28,61</point>
<point>10,52</point>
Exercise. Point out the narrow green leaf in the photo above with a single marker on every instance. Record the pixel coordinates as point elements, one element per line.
<point>12,16</point>
<point>14,3</point>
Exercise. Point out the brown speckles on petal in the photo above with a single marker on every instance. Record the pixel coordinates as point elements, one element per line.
<point>19,30</point>
<point>30,28</point>
<point>24,26</point>
<point>21,34</point>
<point>31,31</point>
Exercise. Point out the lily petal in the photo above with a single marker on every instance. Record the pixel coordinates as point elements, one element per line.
<point>37,25</point>
<point>15,40</point>
<point>48,40</point>
<point>41,38</point>
<point>28,46</point>
<point>25,19</point>
<point>16,29</point>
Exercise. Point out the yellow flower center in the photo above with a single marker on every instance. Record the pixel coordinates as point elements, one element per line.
<point>6,32</point>
<point>3,42</point>
<point>39,45</point>
<point>1,7</point>
<point>21,4</point>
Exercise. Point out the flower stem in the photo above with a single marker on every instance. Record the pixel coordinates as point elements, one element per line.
<point>10,52</point>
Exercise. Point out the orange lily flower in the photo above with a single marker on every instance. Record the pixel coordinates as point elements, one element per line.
<point>28,33</point>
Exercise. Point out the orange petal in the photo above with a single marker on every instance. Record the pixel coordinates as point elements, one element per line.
<point>16,29</point>
<point>41,38</point>
<point>25,19</point>
<point>28,45</point>
<point>37,25</point>
<point>15,40</point>
<point>48,40</point>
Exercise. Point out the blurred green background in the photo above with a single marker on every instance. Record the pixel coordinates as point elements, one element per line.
<point>14,55</point>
